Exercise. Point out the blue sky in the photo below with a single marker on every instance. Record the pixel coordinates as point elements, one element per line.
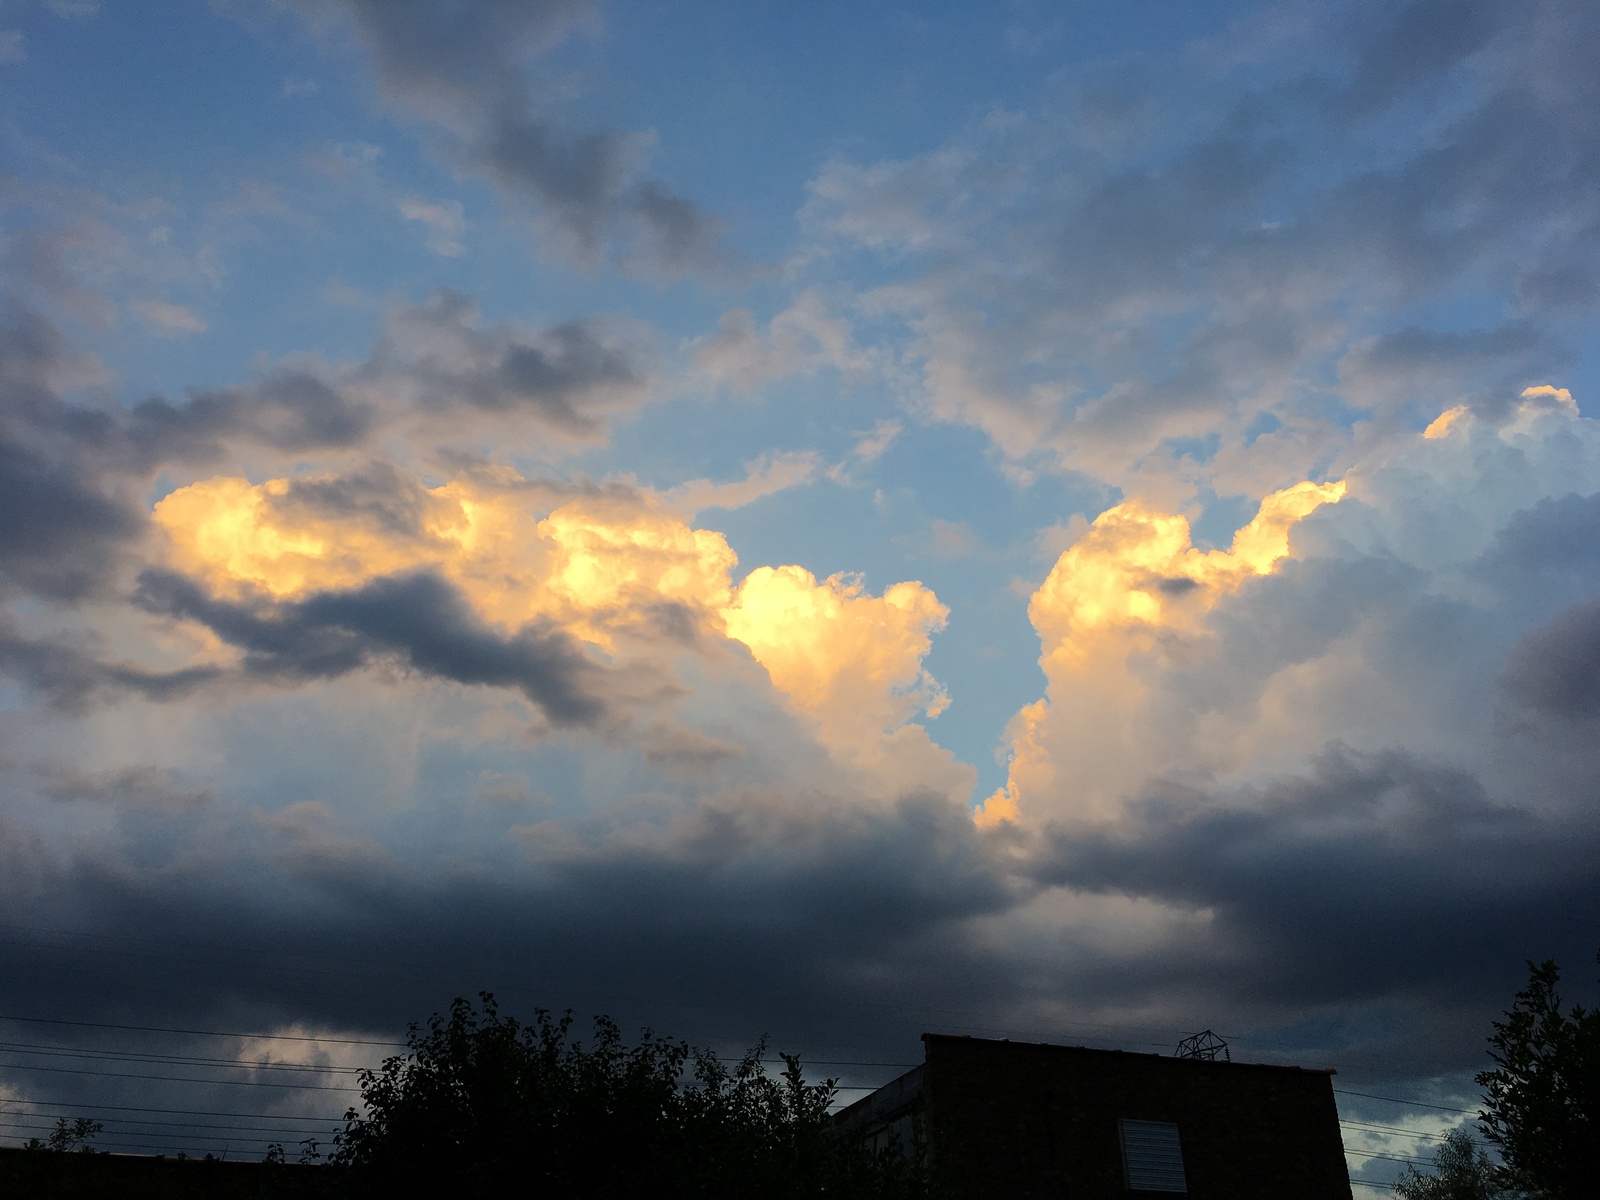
<point>1040,511</point>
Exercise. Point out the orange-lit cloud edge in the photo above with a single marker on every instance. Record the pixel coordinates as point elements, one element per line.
<point>849,659</point>
<point>597,567</point>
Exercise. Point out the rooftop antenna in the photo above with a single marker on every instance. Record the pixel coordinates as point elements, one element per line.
<point>1204,1045</point>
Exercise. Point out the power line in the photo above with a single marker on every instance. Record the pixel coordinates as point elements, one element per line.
<point>1367,1126</point>
<point>177,1125</point>
<point>275,1037</point>
<point>310,1087</point>
<point>1471,1112</point>
<point>228,1134</point>
<point>174,1059</point>
<point>177,1112</point>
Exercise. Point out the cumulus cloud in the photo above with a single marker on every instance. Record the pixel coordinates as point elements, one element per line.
<point>1131,586</point>
<point>618,572</point>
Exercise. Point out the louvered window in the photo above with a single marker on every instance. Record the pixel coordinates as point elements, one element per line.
<point>1152,1157</point>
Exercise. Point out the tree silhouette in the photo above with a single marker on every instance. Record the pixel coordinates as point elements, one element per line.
<point>1542,1100</point>
<point>481,1103</point>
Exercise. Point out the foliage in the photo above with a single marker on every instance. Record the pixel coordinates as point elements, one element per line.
<point>481,1104</point>
<point>1542,1100</point>
<point>1461,1171</point>
<point>68,1136</point>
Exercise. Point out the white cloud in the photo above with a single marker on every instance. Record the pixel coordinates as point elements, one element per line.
<point>13,45</point>
<point>445,221</point>
<point>766,476</point>
<point>168,319</point>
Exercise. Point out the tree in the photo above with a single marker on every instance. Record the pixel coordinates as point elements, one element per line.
<point>1542,1100</point>
<point>481,1104</point>
<point>68,1136</point>
<point>1461,1171</point>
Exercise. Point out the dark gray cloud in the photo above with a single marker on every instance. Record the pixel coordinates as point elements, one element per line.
<point>1549,551</point>
<point>722,933</point>
<point>568,379</point>
<point>70,675</point>
<point>1372,875</point>
<point>60,525</point>
<point>1555,669</point>
<point>290,410</point>
<point>418,620</point>
<point>466,71</point>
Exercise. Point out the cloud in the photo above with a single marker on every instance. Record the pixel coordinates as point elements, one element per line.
<point>439,357</point>
<point>1130,585</point>
<point>800,340</point>
<point>764,477</point>
<point>13,46</point>
<point>417,618</point>
<point>1555,669</point>
<point>167,319</point>
<point>70,677</point>
<point>1375,611</point>
<point>619,573</point>
<point>1213,298</point>
<point>62,526</point>
<point>1369,874</point>
<point>852,659</point>
<point>870,447</point>
<point>434,364</point>
<point>464,74</point>
<point>444,220</point>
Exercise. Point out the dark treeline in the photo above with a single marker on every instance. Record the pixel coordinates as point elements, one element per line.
<point>482,1105</point>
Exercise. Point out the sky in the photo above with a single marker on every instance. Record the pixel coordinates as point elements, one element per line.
<point>1077,522</point>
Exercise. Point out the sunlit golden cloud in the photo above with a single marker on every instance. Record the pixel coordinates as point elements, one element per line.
<point>1133,575</point>
<point>597,566</point>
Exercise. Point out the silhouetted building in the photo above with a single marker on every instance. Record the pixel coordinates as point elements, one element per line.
<point>1018,1120</point>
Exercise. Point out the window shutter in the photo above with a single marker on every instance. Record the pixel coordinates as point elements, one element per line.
<point>1152,1157</point>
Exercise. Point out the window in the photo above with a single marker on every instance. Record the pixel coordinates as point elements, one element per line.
<point>1152,1159</point>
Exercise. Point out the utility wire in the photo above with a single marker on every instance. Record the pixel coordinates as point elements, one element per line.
<point>176,1125</point>
<point>310,1087</point>
<point>1471,1112</point>
<point>173,1059</point>
<point>275,1037</point>
<point>178,1112</point>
